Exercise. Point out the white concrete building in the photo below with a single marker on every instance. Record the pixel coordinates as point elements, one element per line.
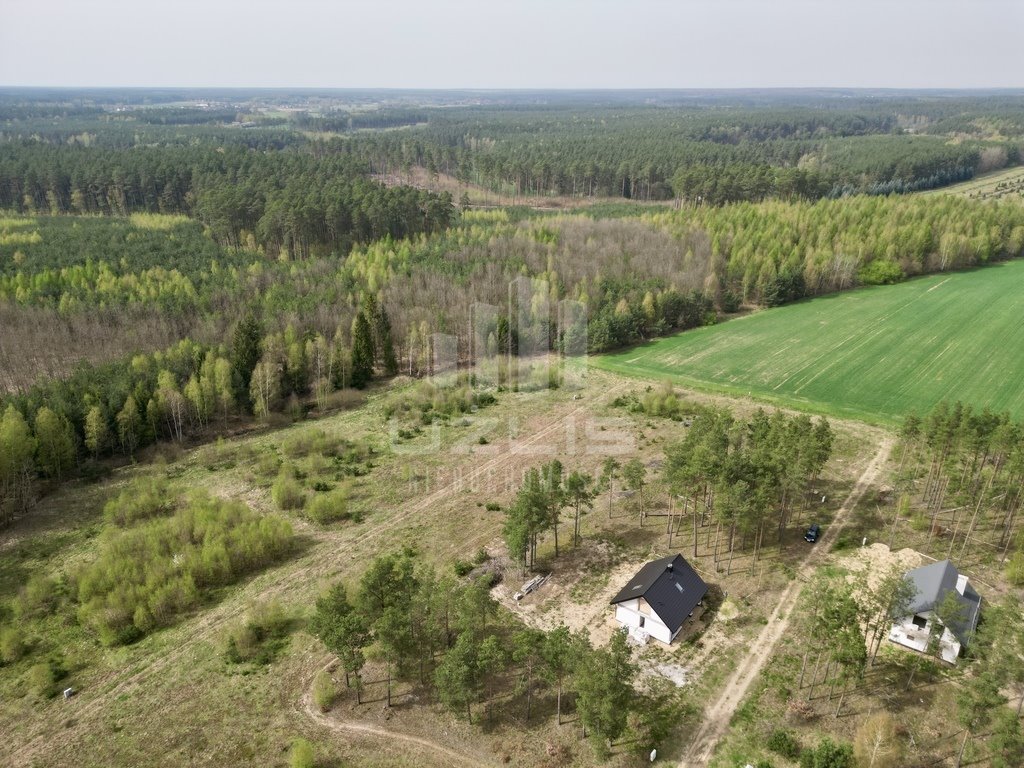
<point>916,629</point>
<point>658,600</point>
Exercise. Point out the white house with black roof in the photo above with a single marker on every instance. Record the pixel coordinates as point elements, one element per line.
<point>657,601</point>
<point>932,583</point>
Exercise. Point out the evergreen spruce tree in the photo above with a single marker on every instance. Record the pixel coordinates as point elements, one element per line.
<point>246,351</point>
<point>362,352</point>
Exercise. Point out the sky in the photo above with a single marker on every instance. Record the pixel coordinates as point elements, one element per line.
<point>513,43</point>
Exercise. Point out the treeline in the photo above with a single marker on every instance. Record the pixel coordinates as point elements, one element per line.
<point>188,389</point>
<point>962,473</point>
<point>775,252</point>
<point>298,203</point>
<point>342,121</point>
<point>449,639</point>
<point>634,281</point>
<point>620,280</point>
<point>117,407</point>
<point>710,156</point>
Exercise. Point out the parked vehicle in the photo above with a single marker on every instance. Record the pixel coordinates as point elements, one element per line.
<point>812,533</point>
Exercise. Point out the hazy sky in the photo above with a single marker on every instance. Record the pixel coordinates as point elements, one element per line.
<point>513,43</point>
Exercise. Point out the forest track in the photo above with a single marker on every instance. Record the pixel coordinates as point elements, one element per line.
<point>719,714</point>
<point>88,706</point>
<point>453,759</point>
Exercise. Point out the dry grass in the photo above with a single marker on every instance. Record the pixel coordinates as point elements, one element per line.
<point>432,498</point>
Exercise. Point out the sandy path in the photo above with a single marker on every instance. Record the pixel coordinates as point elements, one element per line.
<point>332,722</point>
<point>94,703</point>
<point>720,712</point>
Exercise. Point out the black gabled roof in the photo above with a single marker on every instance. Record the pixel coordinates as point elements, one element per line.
<point>670,586</point>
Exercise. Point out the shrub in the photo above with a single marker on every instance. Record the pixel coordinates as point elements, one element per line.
<point>286,491</point>
<point>1015,570</point>
<point>881,272</point>
<point>267,466</point>
<point>12,645</point>
<point>147,575</point>
<point>324,691</point>
<point>302,755</point>
<point>42,678</point>
<point>141,500</point>
<point>329,507</point>
<point>38,596</point>
<point>493,506</point>
<point>784,743</point>
<point>828,754</point>
<point>261,637</point>
<point>462,567</point>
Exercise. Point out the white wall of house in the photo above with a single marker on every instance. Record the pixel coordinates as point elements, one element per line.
<point>912,635</point>
<point>637,614</point>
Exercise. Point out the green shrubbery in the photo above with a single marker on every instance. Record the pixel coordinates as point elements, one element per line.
<point>329,507</point>
<point>261,637</point>
<point>828,754</point>
<point>287,493</point>
<point>783,742</point>
<point>37,597</point>
<point>148,575</point>
<point>302,755</point>
<point>663,402</point>
<point>324,691</point>
<point>12,645</point>
<point>42,678</point>
<point>427,401</point>
<point>141,500</point>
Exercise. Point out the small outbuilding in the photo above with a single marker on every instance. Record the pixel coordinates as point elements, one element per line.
<point>657,601</point>
<point>932,584</point>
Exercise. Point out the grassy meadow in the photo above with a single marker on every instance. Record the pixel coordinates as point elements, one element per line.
<point>872,354</point>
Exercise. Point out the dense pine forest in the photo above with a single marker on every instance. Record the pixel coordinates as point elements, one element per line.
<point>246,334</point>
<point>167,265</point>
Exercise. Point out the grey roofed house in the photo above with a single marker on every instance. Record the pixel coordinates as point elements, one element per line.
<point>932,583</point>
<point>669,587</point>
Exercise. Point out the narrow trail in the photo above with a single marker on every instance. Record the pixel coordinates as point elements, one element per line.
<point>452,758</point>
<point>720,712</point>
<point>91,704</point>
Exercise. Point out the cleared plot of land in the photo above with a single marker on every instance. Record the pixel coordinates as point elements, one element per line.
<point>873,354</point>
<point>1007,184</point>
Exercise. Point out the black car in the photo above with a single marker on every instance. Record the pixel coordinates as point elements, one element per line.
<point>812,533</point>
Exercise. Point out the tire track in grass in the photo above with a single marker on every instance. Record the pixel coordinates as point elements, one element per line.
<point>720,712</point>
<point>91,703</point>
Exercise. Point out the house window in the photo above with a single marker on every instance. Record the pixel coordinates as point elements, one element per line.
<point>642,620</point>
<point>920,622</point>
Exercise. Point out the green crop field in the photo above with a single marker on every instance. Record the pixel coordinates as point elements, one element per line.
<point>873,354</point>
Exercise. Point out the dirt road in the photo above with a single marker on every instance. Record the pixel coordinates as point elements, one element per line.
<point>90,705</point>
<point>333,722</point>
<point>720,712</point>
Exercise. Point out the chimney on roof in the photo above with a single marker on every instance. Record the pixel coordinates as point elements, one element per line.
<point>668,567</point>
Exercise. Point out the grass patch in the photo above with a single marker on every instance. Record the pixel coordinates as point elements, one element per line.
<point>873,354</point>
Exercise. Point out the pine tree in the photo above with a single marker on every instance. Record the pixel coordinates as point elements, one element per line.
<point>362,352</point>
<point>387,352</point>
<point>246,350</point>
